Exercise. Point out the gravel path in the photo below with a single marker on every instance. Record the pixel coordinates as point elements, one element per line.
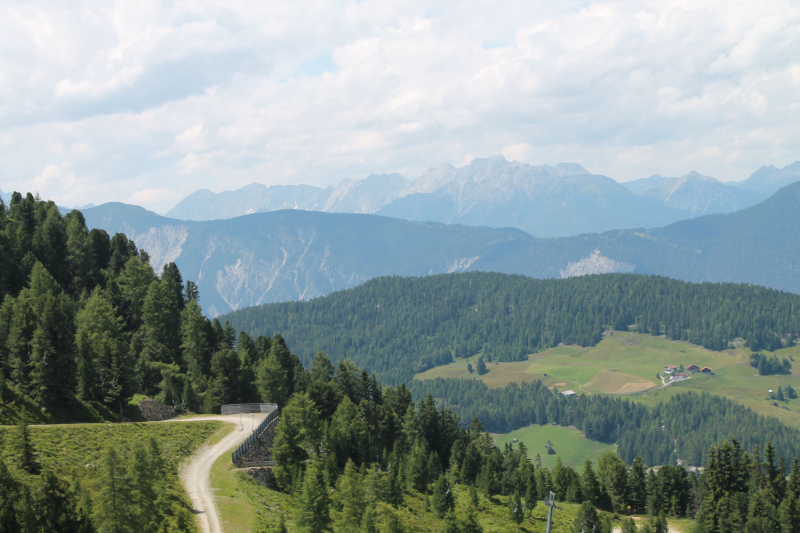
<point>196,471</point>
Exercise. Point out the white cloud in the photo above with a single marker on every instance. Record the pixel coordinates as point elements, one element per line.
<point>146,101</point>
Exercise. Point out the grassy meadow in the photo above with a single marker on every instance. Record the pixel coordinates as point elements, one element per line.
<point>625,363</point>
<point>568,443</point>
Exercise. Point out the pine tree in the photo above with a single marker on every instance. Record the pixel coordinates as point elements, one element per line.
<point>194,344</point>
<point>587,520</point>
<point>629,526</point>
<point>142,473</point>
<point>416,466</point>
<point>23,449</point>
<point>312,504</point>
<point>190,399</point>
<point>298,431</point>
<point>443,501</point>
<point>9,490</point>
<point>590,484</point>
<point>161,320</point>
<point>113,510</point>
<point>273,382</point>
<point>469,523</point>
<point>350,499</point>
<point>347,435</point>
<point>51,506</point>
<point>105,371</point>
<point>134,283</point>
<point>450,524</point>
<point>369,520</point>
<point>516,509</point>
<point>638,485</point>
<point>480,366</point>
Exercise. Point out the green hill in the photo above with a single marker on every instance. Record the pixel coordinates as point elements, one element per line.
<point>400,326</point>
<point>627,363</point>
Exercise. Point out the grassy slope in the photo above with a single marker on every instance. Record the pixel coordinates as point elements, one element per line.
<point>76,450</point>
<point>632,359</point>
<point>568,444</point>
<point>247,506</point>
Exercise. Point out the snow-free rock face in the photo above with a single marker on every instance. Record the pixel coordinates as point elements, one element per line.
<point>596,264</point>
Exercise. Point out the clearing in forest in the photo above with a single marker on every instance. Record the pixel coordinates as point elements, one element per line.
<point>567,443</point>
<point>625,362</point>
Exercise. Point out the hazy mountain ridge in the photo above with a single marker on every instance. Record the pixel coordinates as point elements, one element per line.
<point>543,200</point>
<point>701,195</point>
<point>293,254</point>
<point>546,201</point>
<point>769,179</point>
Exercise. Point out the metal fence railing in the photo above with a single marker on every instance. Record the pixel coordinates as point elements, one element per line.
<point>242,449</point>
<point>247,408</point>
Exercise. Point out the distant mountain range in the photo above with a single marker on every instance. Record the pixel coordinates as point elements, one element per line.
<point>769,179</point>
<point>695,194</point>
<point>544,201</point>
<point>294,254</point>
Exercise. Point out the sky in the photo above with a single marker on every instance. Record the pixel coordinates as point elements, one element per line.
<point>145,102</point>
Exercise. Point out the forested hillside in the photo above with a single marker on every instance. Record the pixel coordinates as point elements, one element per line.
<point>399,326</point>
<point>681,428</point>
<point>85,321</point>
<point>357,459</point>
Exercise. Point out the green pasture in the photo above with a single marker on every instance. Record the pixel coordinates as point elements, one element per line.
<point>627,363</point>
<point>568,443</point>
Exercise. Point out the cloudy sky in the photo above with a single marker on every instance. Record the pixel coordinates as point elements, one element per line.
<point>145,102</point>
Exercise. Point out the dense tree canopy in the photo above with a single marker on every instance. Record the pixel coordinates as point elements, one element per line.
<point>399,326</point>
<point>681,428</point>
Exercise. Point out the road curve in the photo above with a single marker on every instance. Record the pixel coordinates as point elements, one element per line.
<point>195,473</point>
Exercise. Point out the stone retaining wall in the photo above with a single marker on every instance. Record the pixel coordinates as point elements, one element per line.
<point>261,451</point>
<point>263,476</point>
<point>153,411</point>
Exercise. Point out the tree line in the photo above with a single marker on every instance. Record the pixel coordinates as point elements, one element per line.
<point>397,327</point>
<point>682,427</point>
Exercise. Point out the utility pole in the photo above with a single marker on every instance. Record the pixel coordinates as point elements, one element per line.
<point>550,503</point>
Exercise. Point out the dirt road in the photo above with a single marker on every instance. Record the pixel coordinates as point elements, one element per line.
<point>196,471</point>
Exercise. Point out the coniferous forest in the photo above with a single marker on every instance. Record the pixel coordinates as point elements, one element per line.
<point>397,327</point>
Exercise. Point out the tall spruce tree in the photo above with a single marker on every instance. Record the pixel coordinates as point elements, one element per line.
<point>312,508</point>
